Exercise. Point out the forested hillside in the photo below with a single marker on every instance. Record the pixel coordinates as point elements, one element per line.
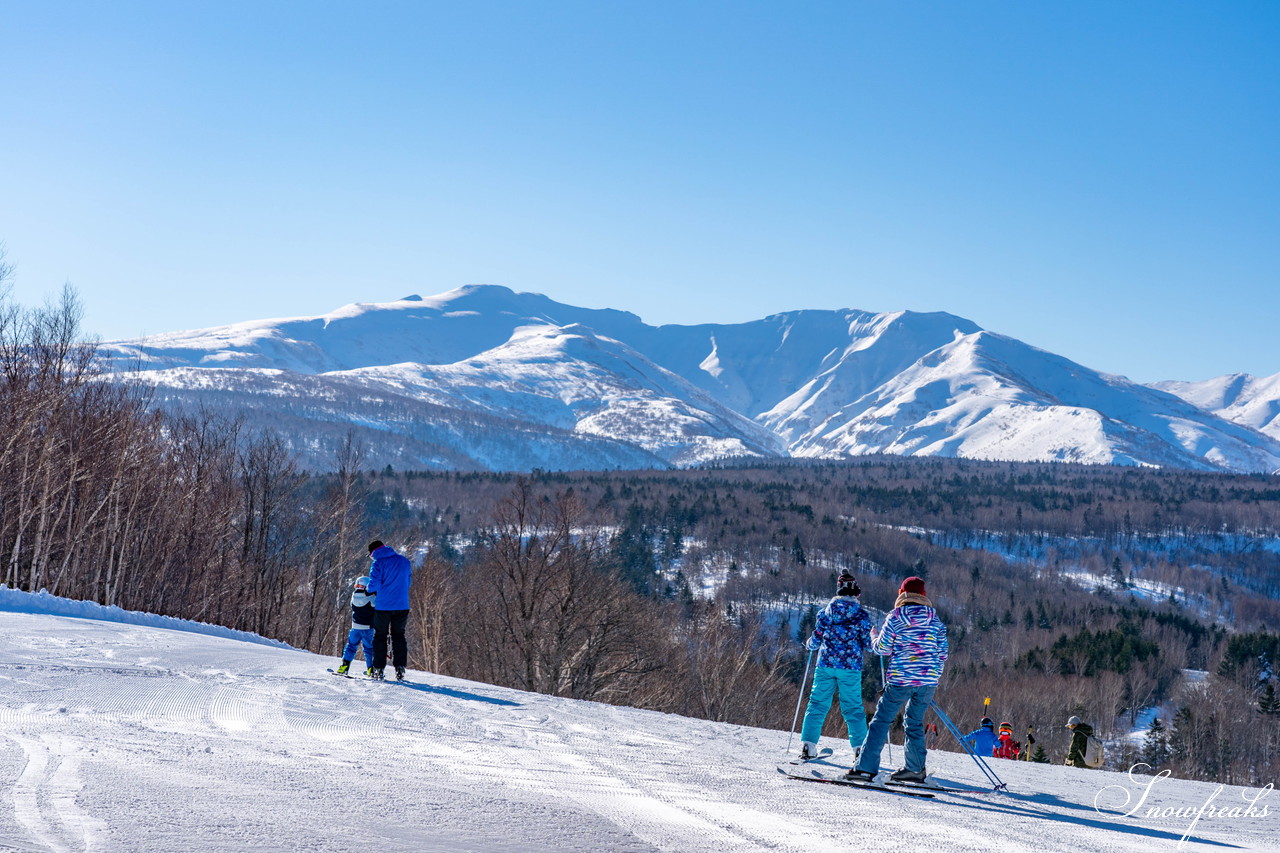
<point>1068,589</point>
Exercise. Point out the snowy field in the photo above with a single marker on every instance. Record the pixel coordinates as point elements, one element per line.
<point>131,737</point>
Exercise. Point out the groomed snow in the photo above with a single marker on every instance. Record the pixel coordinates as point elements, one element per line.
<point>137,737</point>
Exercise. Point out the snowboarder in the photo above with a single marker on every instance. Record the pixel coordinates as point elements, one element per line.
<point>983,740</point>
<point>915,641</point>
<point>1007,747</point>
<point>389,580</point>
<point>842,637</point>
<point>1081,732</point>
<point>361,633</point>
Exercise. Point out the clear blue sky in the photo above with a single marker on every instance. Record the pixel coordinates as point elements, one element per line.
<point>1098,179</point>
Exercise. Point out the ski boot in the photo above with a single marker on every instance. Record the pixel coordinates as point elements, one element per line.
<point>808,751</point>
<point>376,674</point>
<point>399,673</point>
<point>856,775</point>
<point>905,775</point>
<point>342,669</point>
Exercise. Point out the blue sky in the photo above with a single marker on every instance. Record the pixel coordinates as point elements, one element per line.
<point>1097,179</point>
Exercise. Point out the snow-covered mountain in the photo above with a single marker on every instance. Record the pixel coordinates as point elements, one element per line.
<point>483,377</point>
<point>146,737</point>
<point>1249,400</point>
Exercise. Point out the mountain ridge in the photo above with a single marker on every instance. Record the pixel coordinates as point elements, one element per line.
<point>813,382</point>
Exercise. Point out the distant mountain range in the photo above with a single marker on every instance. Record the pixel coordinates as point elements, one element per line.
<point>486,378</point>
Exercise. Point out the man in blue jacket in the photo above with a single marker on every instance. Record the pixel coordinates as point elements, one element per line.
<point>389,586</point>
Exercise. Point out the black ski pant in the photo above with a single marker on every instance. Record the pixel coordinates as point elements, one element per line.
<point>393,621</point>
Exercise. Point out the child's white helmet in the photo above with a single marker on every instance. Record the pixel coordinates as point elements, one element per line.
<point>362,584</point>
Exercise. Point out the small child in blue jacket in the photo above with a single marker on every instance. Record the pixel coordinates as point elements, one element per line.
<point>361,627</point>
<point>983,740</point>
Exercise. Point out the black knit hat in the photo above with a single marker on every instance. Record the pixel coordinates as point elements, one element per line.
<point>846,585</point>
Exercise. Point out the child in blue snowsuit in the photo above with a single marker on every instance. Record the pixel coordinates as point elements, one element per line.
<point>983,740</point>
<point>361,627</point>
<point>842,637</point>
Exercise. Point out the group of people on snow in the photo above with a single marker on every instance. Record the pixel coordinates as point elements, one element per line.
<point>914,640</point>
<point>380,609</point>
<point>986,742</point>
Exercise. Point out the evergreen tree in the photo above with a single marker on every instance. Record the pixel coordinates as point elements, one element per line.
<point>1044,622</point>
<point>1155,749</point>
<point>1182,740</point>
<point>632,549</point>
<point>807,622</point>
<point>797,553</point>
<point>1040,756</point>
<point>1269,703</point>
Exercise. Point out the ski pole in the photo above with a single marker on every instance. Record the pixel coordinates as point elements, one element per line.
<point>800,698</point>
<point>955,732</point>
<point>888,741</point>
<point>982,765</point>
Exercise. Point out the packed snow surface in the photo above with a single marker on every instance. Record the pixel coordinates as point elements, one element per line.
<point>136,737</point>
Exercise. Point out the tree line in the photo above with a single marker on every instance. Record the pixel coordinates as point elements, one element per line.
<point>1048,624</point>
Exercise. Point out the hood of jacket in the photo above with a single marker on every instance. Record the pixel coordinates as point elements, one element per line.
<point>917,615</point>
<point>844,608</point>
<point>384,551</point>
<point>905,598</point>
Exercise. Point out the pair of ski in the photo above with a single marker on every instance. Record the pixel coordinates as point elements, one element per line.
<point>366,678</point>
<point>907,789</point>
<point>825,752</point>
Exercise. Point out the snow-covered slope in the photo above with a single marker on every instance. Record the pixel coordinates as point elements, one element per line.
<point>123,737</point>
<point>454,373</point>
<point>988,396</point>
<point>1249,400</point>
<point>569,377</point>
<point>442,329</point>
<point>406,430</point>
<point>136,738</point>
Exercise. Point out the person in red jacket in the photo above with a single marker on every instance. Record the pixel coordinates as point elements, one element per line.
<point>1007,747</point>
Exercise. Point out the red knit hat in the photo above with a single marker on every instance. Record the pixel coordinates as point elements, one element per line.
<point>913,584</point>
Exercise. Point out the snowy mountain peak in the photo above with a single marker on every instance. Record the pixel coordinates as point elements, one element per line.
<point>1250,401</point>
<point>825,383</point>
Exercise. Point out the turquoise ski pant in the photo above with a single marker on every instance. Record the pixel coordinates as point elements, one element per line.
<point>826,681</point>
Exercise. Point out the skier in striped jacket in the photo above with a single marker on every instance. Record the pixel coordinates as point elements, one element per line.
<point>915,641</point>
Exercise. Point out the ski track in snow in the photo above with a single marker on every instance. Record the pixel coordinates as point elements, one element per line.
<point>127,738</point>
<point>44,796</point>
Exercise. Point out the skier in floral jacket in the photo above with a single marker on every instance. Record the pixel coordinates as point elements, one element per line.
<point>842,637</point>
